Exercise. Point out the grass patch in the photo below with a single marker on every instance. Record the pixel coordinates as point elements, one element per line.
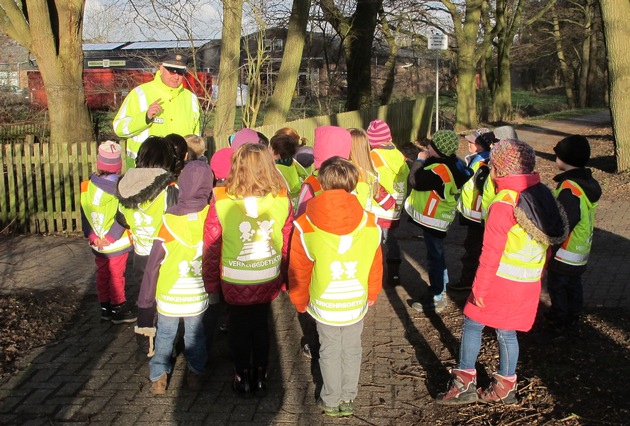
<point>562,115</point>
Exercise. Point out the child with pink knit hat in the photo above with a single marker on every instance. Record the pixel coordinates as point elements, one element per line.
<point>393,172</point>
<point>329,141</point>
<point>110,242</point>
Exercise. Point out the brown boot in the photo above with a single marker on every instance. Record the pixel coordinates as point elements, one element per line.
<point>159,386</point>
<point>462,389</point>
<point>502,389</point>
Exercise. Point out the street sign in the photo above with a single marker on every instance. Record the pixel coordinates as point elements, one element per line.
<point>437,42</point>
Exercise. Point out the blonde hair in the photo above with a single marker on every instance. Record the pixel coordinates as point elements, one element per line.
<point>338,173</point>
<point>360,157</point>
<point>196,146</point>
<point>253,172</point>
<point>293,133</point>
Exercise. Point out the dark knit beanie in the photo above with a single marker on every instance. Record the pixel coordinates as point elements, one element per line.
<point>512,157</point>
<point>445,142</point>
<point>574,150</point>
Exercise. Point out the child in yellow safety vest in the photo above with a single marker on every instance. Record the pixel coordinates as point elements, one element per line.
<point>329,141</point>
<point>578,192</point>
<point>173,283</point>
<point>145,192</point>
<point>436,178</point>
<point>470,203</point>
<point>283,149</point>
<point>335,274</point>
<point>245,256</point>
<point>392,171</point>
<point>110,242</point>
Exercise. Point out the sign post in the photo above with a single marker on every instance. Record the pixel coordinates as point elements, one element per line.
<point>437,42</point>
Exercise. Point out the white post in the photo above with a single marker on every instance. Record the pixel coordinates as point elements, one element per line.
<point>437,90</point>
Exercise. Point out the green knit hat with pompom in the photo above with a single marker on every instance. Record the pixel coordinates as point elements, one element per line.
<point>445,142</point>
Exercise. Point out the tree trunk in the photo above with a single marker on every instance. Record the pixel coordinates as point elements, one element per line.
<point>390,64</point>
<point>228,71</point>
<point>586,55</point>
<point>502,99</point>
<point>564,67</point>
<point>59,54</point>
<point>357,33</point>
<point>466,29</point>
<point>616,18</point>
<point>291,59</point>
<point>466,110</point>
<point>593,68</point>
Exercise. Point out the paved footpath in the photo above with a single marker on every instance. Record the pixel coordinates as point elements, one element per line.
<point>91,376</point>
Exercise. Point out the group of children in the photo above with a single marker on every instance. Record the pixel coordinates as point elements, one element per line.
<point>319,223</point>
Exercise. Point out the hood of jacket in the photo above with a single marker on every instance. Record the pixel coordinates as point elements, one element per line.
<point>195,188</point>
<point>584,178</point>
<point>140,185</point>
<point>537,210</point>
<point>335,211</point>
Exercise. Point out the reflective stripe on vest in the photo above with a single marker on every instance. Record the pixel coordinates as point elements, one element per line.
<point>144,222</point>
<point>251,250</point>
<point>393,172</point>
<point>470,200</point>
<point>428,209</point>
<point>576,248</point>
<point>100,209</point>
<point>339,283</point>
<point>180,290</point>
<point>523,258</point>
<point>316,187</point>
<point>489,192</point>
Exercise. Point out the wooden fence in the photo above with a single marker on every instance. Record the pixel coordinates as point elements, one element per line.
<point>40,182</point>
<point>40,185</point>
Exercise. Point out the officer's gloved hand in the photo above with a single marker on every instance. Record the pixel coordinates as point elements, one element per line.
<point>145,333</point>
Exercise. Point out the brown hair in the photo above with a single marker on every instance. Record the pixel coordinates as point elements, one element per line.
<point>338,173</point>
<point>283,145</point>
<point>293,133</point>
<point>253,172</point>
<point>360,157</point>
<point>196,146</point>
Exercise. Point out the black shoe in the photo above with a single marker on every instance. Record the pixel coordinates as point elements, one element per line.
<point>393,273</point>
<point>242,385</point>
<point>106,311</point>
<point>123,313</point>
<point>260,382</point>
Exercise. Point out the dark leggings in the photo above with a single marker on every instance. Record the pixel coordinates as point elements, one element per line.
<point>248,335</point>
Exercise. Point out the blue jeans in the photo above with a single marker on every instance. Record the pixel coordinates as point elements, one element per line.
<point>471,343</point>
<point>194,345</point>
<point>437,262</point>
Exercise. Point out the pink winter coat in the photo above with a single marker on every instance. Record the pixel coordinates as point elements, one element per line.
<point>512,305</point>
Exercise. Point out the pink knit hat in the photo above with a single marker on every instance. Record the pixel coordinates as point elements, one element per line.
<point>108,157</point>
<point>512,157</point>
<point>378,133</point>
<point>244,136</point>
<point>331,141</point>
<point>221,163</point>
